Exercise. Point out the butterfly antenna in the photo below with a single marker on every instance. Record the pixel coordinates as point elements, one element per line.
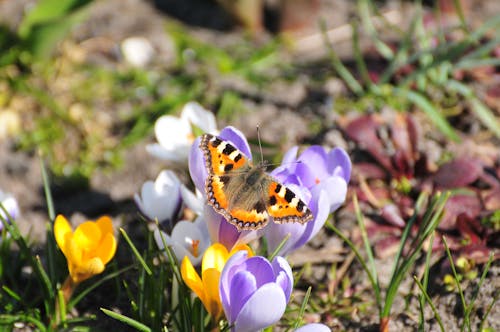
<point>260,146</point>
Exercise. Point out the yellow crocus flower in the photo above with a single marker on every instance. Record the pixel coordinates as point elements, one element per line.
<point>207,287</point>
<point>88,248</point>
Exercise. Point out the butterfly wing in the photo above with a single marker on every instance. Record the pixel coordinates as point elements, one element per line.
<point>285,206</point>
<point>245,195</point>
<point>227,185</point>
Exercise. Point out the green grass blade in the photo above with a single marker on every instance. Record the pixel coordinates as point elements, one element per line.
<point>364,7</point>
<point>279,247</point>
<point>432,112</point>
<point>434,214</point>
<point>339,67</point>
<point>484,114</point>
<point>126,320</point>
<point>479,285</point>
<point>370,271</point>
<point>457,282</point>
<point>136,252</point>
<point>77,298</point>
<point>429,300</point>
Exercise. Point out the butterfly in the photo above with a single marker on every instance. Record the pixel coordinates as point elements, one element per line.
<point>245,194</point>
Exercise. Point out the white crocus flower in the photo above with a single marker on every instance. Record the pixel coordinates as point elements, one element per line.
<point>9,203</point>
<point>194,201</point>
<point>160,199</point>
<point>188,239</point>
<point>175,135</point>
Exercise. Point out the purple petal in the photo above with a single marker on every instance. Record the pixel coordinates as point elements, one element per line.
<point>243,284</point>
<point>197,166</point>
<point>264,308</point>
<point>232,266</point>
<point>320,209</point>
<point>290,156</point>
<point>336,189</point>
<point>237,138</point>
<point>316,158</point>
<point>277,232</point>
<point>284,276</point>
<point>339,164</point>
<point>261,269</point>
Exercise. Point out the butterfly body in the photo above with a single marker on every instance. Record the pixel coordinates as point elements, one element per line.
<point>243,193</point>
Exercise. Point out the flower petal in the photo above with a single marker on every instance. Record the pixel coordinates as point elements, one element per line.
<point>215,257</point>
<point>264,308</point>
<point>261,268</point>
<point>314,327</point>
<point>61,228</point>
<point>232,264</point>
<point>105,224</point>
<point>87,236</point>
<point>243,285</point>
<point>193,201</point>
<point>210,279</point>
<point>197,168</point>
<point>173,133</point>
<point>158,151</point>
<point>339,164</point>
<point>284,275</point>
<point>193,281</point>
<point>200,117</point>
<point>107,249</point>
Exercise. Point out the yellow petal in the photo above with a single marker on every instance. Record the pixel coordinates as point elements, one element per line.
<point>105,225</point>
<point>107,248</point>
<point>211,279</point>
<point>72,251</point>
<point>215,257</point>
<point>88,269</point>
<point>240,247</point>
<point>193,281</point>
<point>61,228</point>
<point>88,236</point>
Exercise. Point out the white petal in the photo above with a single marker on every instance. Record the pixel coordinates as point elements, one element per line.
<point>158,151</point>
<point>314,327</point>
<point>192,201</point>
<point>195,114</point>
<point>181,240</point>
<point>10,204</point>
<point>161,199</point>
<point>173,133</point>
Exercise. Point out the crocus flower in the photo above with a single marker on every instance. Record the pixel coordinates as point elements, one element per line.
<point>188,239</point>
<point>254,291</point>
<point>314,327</point>
<point>175,135</point>
<point>207,287</point>
<point>10,205</point>
<point>161,199</point>
<point>320,178</point>
<point>88,248</point>
<point>220,230</point>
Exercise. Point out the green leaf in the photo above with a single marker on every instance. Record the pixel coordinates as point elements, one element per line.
<point>432,112</point>
<point>127,320</point>
<point>48,23</point>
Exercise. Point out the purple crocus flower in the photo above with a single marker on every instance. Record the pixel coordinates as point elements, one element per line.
<point>254,292</point>
<point>219,229</point>
<point>320,178</point>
